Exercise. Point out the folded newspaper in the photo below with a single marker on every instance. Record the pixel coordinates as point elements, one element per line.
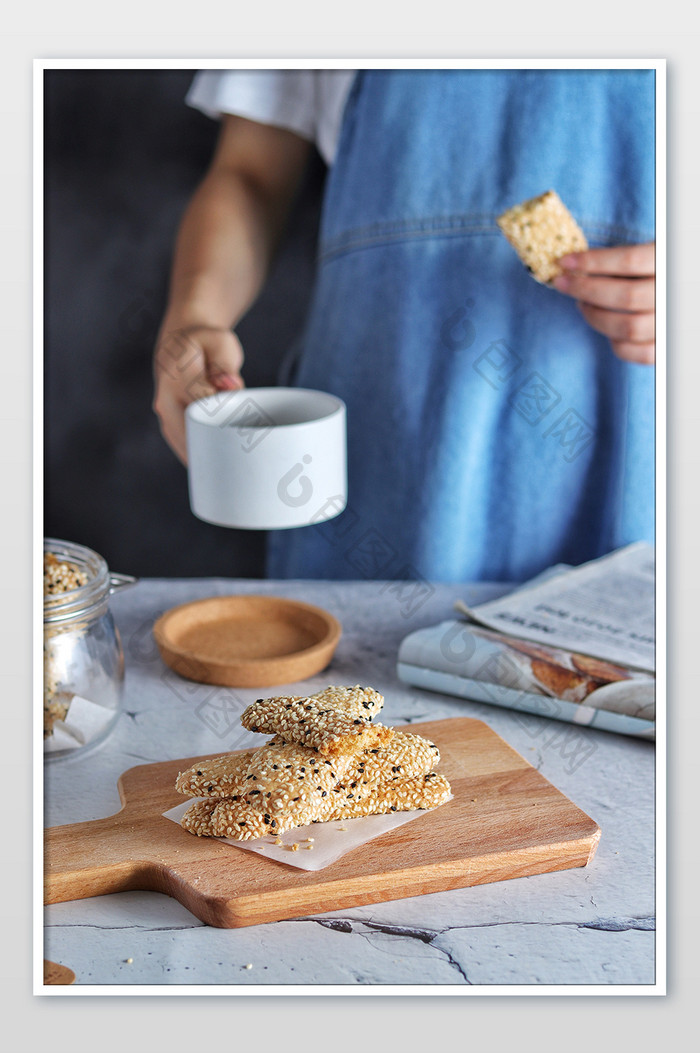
<point>575,643</point>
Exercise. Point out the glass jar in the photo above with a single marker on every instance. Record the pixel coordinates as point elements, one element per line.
<point>83,657</point>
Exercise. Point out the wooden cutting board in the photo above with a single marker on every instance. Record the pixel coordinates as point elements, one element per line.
<point>505,820</point>
<point>57,974</point>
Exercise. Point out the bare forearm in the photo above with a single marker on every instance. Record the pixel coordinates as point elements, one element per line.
<point>223,250</point>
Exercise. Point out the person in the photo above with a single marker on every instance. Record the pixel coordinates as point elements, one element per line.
<point>496,426</point>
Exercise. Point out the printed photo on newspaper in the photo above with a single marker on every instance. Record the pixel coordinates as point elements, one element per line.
<point>575,643</point>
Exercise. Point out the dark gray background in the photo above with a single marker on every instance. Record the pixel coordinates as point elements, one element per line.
<point>123,154</point>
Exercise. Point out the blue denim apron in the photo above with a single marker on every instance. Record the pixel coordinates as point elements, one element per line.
<point>491,431</point>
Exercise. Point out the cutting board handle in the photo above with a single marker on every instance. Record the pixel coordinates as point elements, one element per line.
<point>96,857</point>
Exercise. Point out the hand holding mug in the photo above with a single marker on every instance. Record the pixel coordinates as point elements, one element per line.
<point>191,363</point>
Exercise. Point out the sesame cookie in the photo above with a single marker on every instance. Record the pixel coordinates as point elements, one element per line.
<point>241,821</point>
<point>541,231</point>
<point>402,795</point>
<point>324,722</point>
<point>276,773</point>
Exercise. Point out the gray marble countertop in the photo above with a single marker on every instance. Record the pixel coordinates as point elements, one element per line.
<point>586,926</point>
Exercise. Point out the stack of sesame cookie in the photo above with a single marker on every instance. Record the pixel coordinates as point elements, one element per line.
<point>327,760</point>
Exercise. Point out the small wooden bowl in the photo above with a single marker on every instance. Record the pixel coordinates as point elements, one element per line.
<point>246,641</point>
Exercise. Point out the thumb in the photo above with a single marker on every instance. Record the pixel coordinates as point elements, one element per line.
<point>223,355</point>
<point>226,381</point>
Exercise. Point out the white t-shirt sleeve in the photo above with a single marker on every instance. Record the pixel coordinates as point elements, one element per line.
<point>308,102</point>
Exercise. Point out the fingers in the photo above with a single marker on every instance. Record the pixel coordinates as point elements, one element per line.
<point>632,261</point>
<point>617,294</point>
<point>189,365</point>
<point>643,354</point>
<point>620,325</point>
<point>172,425</point>
<point>615,289</point>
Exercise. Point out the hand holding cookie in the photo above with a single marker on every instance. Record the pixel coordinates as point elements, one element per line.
<point>615,291</point>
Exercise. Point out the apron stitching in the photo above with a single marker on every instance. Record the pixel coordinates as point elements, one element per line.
<point>379,234</point>
<point>344,247</point>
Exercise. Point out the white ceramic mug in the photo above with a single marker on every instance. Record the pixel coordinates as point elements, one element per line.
<point>267,458</point>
